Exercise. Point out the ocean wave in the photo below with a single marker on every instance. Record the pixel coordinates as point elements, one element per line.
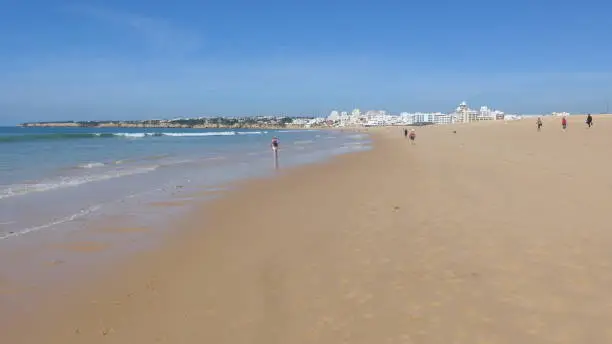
<point>81,213</point>
<point>210,133</point>
<point>24,189</point>
<point>72,136</point>
<point>250,132</point>
<point>53,136</point>
<point>91,165</point>
<point>133,135</point>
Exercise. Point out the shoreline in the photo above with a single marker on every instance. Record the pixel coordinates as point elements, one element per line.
<point>13,318</point>
<point>439,242</point>
<point>118,173</point>
<point>53,257</point>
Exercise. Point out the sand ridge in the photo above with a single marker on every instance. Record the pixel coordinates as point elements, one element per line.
<point>493,234</point>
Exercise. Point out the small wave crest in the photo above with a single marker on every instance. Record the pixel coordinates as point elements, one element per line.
<point>139,135</point>
<point>211,133</point>
<point>91,165</point>
<point>250,132</point>
<point>81,213</point>
<point>129,135</point>
<point>24,189</point>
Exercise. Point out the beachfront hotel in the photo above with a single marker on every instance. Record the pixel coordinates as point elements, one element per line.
<point>462,114</point>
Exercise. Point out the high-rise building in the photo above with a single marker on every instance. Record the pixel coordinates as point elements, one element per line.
<point>334,116</point>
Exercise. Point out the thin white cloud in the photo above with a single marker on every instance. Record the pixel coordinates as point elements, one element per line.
<point>159,34</point>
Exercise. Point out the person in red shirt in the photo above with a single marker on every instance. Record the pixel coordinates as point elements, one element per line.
<point>564,123</point>
<point>412,136</point>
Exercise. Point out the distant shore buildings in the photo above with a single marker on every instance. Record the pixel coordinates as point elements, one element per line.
<point>462,114</point>
<point>560,114</point>
<point>356,118</point>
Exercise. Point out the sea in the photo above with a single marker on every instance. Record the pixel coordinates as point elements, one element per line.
<point>69,179</point>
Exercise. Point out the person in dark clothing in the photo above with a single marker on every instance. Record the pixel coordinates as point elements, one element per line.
<point>405,133</point>
<point>589,120</point>
<point>539,123</point>
<point>274,143</point>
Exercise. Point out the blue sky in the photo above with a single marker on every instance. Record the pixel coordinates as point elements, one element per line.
<point>134,59</point>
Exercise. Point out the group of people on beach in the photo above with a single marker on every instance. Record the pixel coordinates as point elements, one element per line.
<point>589,122</point>
<point>411,135</point>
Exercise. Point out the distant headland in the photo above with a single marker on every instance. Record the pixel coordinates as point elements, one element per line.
<point>260,122</point>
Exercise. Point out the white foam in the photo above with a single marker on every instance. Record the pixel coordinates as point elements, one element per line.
<point>183,134</point>
<point>72,217</point>
<point>249,132</point>
<point>92,165</point>
<point>132,135</point>
<point>23,189</point>
<point>216,133</point>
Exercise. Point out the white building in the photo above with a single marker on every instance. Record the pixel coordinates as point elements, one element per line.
<point>406,118</point>
<point>441,118</point>
<point>300,121</point>
<point>315,121</point>
<point>462,114</point>
<point>334,116</point>
<point>560,114</point>
<point>486,114</point>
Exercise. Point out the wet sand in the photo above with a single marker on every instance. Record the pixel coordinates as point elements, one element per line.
<point>493,234</point>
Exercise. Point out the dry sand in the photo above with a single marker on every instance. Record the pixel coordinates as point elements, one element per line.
<point>495,234</point>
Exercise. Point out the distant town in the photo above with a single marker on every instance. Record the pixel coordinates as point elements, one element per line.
<point>356,118</point>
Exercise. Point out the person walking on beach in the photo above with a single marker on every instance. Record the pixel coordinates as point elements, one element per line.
<point>412,136</point>
<point>274,145</point>
<point>564,123</point>
<point>589,120</point>
<point>405,133</point>
<point>539,123</point>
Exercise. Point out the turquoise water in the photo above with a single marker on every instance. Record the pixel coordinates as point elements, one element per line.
<point>53,177</point>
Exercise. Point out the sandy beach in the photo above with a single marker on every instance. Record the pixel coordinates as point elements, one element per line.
<point>493,234</point>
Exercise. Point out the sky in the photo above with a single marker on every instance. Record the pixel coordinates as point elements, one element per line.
<point>137,59</point>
